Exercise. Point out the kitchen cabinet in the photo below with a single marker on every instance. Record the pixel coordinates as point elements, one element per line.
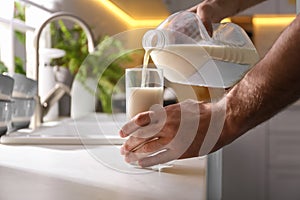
<point>266,7</point>
<point>284,184</point>
<point>243,166</point>
<point>175,5</point>
<point>265,163</point>
<point>287,6</point>
<point>272,7</point>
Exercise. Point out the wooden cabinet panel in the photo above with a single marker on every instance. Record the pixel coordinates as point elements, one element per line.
<point>284,184</point>
<point>265,163</point>
<point>287,6</point>
<point>287,120</point>
<point>243,173</point>
<point>267,7</point>
<point>272,7</point>
<point>284,150</point>
<point>284,155</point>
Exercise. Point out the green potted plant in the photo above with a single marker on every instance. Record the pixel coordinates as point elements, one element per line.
<point>3,68</point>
<point>19,14</point>
<point>107,59</point>
<point>107,65</point>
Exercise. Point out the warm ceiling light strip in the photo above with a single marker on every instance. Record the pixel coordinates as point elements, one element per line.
<point>272,20</point>
<point>226,20</point>
<point>131,22</point>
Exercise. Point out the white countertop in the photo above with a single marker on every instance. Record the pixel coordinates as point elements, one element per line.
<point>32,172</point>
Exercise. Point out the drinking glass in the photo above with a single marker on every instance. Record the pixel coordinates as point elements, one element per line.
<point>144,88</point>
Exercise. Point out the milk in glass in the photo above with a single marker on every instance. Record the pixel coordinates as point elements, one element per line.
<point>144,88</point>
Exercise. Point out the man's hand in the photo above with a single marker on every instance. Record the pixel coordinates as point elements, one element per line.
<point>213,11</point>
<point>205,12</point>
<point>169,133</point>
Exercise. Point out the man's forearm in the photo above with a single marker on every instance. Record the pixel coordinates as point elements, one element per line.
<point>270,86</point>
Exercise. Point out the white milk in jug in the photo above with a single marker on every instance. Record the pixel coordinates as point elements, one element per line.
<point>180,62</point>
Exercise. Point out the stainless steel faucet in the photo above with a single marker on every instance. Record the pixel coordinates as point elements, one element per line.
<point>59,90</point>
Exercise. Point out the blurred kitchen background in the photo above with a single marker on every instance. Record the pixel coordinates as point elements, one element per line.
<point>261,165</point>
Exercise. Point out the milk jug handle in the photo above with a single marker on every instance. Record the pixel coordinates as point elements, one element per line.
<point>154,39</point>
<point>203,30</point>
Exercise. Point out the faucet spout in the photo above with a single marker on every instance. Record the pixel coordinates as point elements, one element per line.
<point>54,96</point>
<point>59,90</point>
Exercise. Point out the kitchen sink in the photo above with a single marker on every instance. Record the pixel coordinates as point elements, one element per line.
<point>91,129</point>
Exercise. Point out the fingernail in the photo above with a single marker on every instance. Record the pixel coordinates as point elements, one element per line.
<point>122,134</point>
<point>135,163</point>
<point>138,163</point>
<point>124,149</point>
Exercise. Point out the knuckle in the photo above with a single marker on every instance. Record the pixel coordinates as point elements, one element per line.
<point>147,148</point>
<point>140,119</point>
<point>139,133</point>
<point>126,147</point>
<point>204,7</point>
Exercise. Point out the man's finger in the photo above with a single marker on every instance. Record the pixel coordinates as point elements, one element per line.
<point>151,146</point>
<point>132,143</point>
<point>205,15</point>
<point>141,119</point>
<point>193,9</point>
<point>160,158</point>
<point>134,157</point>
<point>149,131</point>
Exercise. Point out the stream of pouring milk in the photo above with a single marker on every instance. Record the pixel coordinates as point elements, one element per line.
<point>145,65</point>
<point>141,98</point>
